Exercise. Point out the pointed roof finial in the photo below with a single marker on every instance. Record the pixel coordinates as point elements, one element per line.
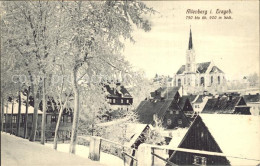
<point>190,40</point>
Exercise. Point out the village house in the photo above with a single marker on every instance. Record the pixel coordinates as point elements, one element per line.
<point>120,102</point>
<point>11,117</point>
<point>253,101</point>
<point>118,97</point>
<point>198,77</point>
<point>164,110</point>
<point>205,134</point>
<point>226,105</point>
<point>177,94</point>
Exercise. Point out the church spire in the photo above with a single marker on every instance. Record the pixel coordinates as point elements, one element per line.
<point>190,41</point>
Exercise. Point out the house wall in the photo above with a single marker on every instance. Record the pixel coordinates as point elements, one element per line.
<point>198,138</point>
<point>177,119</point>
<point>64,129</point>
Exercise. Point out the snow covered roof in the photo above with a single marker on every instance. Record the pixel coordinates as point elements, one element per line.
<point>223,105</point>
<point>177,136</point>
<point>23,109</point>
<point>236,135</point>
<point>147,109</point>
<point>201,68</point>
<point>133,131</point>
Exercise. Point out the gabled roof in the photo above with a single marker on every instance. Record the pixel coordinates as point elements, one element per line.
<point>215,69</point>
<point>252,98</point>
<point>201,68</point>
<point>168,92</point>
<point>223,105</point>
<point>23,109</point>
<point>191,97</point>
<point>120,90</point>
<point>199,99</point>
<point>182,101</point>
<point>236,135</point>
<point>133,132</point>
<point>177,136</point>
<point>147,109</point>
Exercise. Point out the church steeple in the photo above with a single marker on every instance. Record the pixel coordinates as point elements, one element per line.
<point>190,41</point>
<point>190,66</point>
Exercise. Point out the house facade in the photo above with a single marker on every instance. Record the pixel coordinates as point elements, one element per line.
<point>118,97</point>
<point>199,77</point>
<point>207,135</point>
<point>163,110</point>
<point>10,122</point>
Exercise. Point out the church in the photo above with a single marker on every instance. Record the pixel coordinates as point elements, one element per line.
<point>197,78</point>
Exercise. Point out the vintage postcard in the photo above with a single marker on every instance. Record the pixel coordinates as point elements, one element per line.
<point>130,83</point>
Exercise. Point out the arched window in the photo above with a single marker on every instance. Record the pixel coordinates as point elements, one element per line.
<point>202,81</point>
<point>211,79</point>
<point>188,81</point>
<point>218,79</point>
<point>179,82</point>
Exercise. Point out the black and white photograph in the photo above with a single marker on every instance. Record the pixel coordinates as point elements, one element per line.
<point>130,83</point>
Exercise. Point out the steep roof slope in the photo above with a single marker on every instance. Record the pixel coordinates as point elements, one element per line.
<point>236,135</point>
<point>223,105</point>
<point>147,109</point>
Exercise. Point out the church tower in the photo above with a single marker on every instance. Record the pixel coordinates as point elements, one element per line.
<point>190,66</point>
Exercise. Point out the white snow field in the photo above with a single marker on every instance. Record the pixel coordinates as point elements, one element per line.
<point>83,151</point>
<point>17,151</point>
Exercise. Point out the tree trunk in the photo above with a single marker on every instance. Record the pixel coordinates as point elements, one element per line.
<point>19,114</point>
<point>57,125</point>
<point>35,116</point>
<point>11,132</point>
<point>2,114</point>
<point>76,113</point>
<point>44,113</point>
<point>26,114</point>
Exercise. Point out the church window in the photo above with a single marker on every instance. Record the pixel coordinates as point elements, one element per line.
<point>202,81</point>
<point>218,79</point>
<point>189,81</point>
<point>211,79</point>
<point>179,82</point>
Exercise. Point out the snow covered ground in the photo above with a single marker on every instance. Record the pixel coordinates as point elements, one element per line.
<point>17,151</point>
<point>83,151</point>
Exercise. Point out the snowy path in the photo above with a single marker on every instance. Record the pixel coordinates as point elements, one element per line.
<point>16,151</point>
<point>83,151</point>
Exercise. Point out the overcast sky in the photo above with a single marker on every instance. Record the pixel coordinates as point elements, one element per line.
<point>233,45</point>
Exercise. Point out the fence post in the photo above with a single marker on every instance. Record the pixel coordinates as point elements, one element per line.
<point>144,155</point>
<point>94,148</point>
